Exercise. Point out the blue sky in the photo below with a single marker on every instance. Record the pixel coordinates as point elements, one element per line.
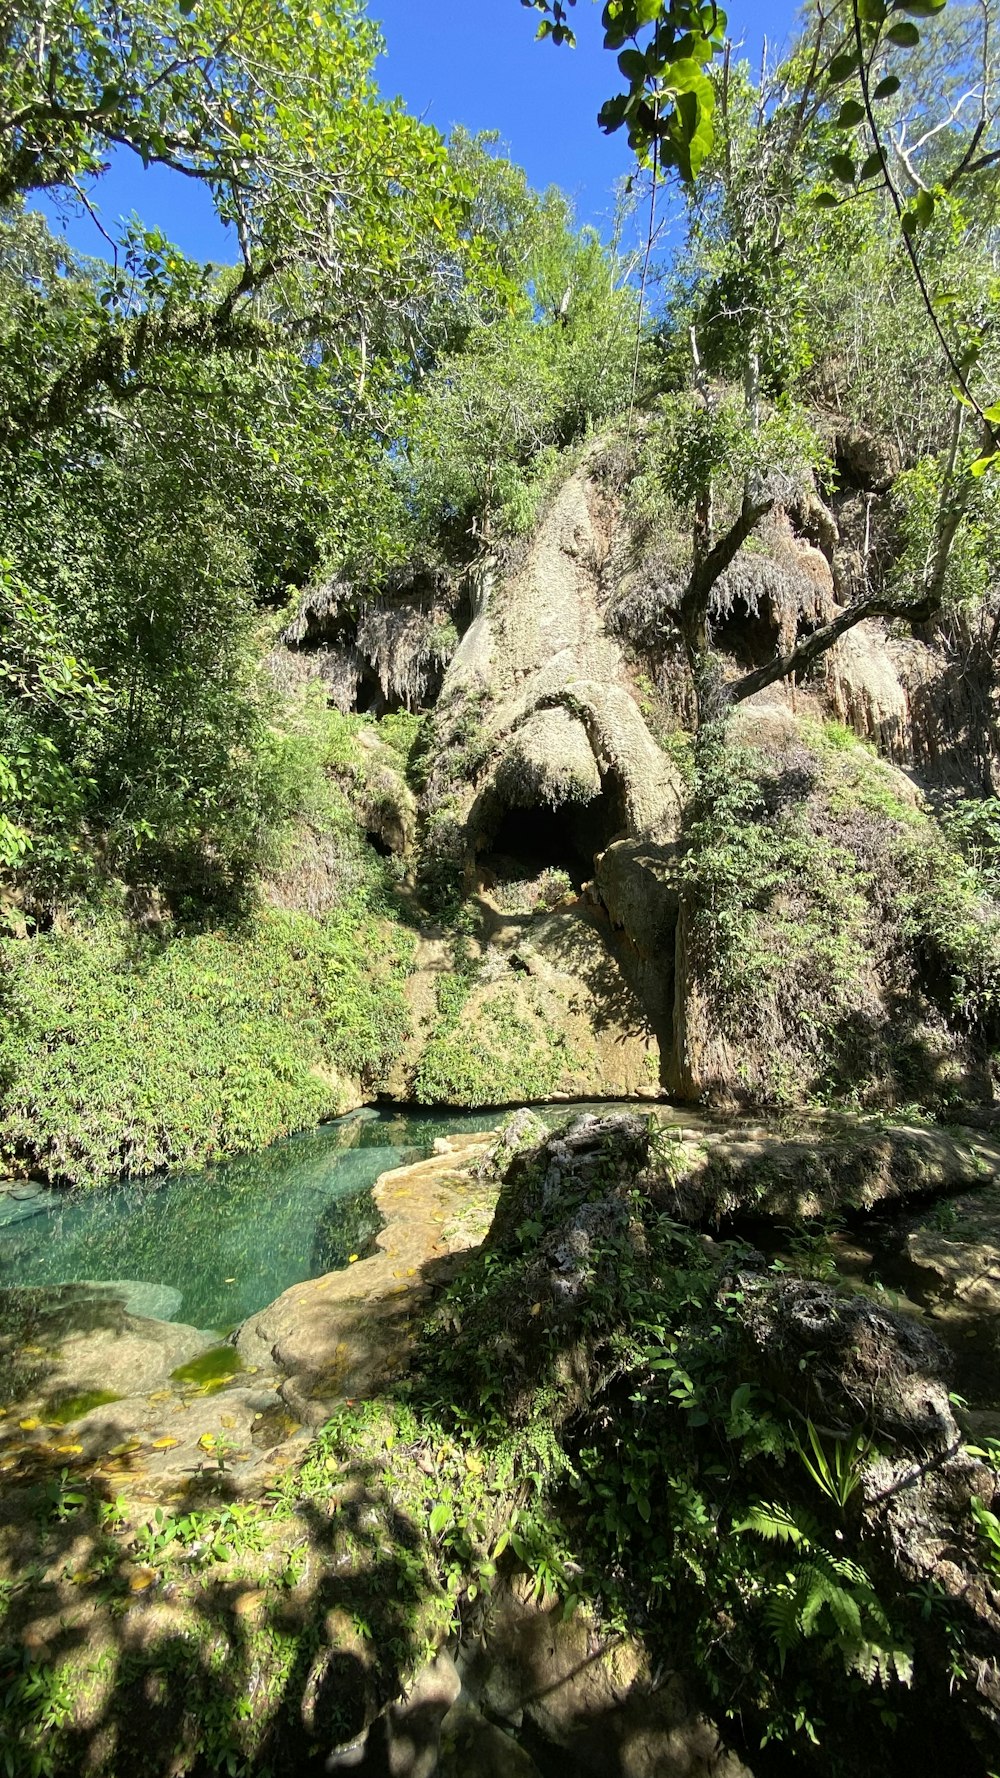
<point>473,62</point>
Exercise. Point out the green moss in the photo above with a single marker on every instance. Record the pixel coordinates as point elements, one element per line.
<point>403,732</point>
<point>121,1053</point>
<point>830,913</point>
<point>215,1366</point>
<point>64,1409</point>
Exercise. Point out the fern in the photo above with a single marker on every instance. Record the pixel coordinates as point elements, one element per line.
<point>779,1524</point>
<point>781,1615</point>
<point>877,1665</point>
<point>825,1595</point>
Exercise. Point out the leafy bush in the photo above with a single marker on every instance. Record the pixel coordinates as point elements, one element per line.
<point>506,1054</point>
<point>122,1053</point>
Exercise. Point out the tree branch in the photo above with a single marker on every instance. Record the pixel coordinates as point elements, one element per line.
<point>693,612</point>
<point>811,647</point>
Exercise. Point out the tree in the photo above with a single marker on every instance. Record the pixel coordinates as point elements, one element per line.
<point>749,305</point>
<point>343,207</point>
<point>521,381</point>
<point>180,444</point>
<point>664,48</point>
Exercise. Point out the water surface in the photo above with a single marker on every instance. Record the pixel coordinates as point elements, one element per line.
<point>213,1246</point>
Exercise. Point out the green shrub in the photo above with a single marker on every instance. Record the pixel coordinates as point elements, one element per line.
<point>505,1054</point>
<point>129,1054</point>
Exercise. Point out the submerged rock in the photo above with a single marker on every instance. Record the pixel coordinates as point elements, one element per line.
<point>152,1302</point>
<point>24,1198</point>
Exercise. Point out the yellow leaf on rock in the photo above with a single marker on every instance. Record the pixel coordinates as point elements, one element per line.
<point>165,1444</point>
<point>207,1441</point>
<point>69,1450</point>
<point>29,1425</point>
<point>536,1308</point>
<point>351,1257</point>
<point>141,1579</point>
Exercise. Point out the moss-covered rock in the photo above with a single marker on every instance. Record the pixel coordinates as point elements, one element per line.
<point>542,1012</point>
<point>832,943</point>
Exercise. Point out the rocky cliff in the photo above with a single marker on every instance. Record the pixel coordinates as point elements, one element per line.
<point>594,925</point>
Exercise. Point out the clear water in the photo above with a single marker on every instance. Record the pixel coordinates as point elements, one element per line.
<point>211,1247</point>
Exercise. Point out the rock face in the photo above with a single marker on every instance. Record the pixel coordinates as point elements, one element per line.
<point>542,759</point>
<point>563,1685</point>
<point>548,1014</point>
<point>349,1333</point>
<point>560,727</point>
<point>554,751</point>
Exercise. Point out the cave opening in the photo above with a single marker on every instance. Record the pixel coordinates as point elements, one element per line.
<point>750,637</point>
<point>528,841</point>
<point>370,699</point>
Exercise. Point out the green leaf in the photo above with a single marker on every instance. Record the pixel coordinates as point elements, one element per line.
<point>843,66</point>
<point>921,9</point>
<point>918,214</point>
<point>871,167</point>
<point>612,113</point>
<point>885,89</point>
<point>633,65</point>
<point>983,464</point>
<point>904,35</point>
<point>851,113</point>
<point>827,200</point>
<point>440,1518</point>
<point>842,167</point>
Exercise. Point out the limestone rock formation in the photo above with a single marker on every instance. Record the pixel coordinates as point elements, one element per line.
<point>564,758</point>
<point>593,1697</point>
<point>348,1333</point>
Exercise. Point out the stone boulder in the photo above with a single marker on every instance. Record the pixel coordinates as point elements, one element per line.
<point>566,1685</point>
<point>350,1332</point>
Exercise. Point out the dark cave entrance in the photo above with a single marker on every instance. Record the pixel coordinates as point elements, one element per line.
<point>527,841</point>
<point>750,637</point>
<point>370,699</point>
